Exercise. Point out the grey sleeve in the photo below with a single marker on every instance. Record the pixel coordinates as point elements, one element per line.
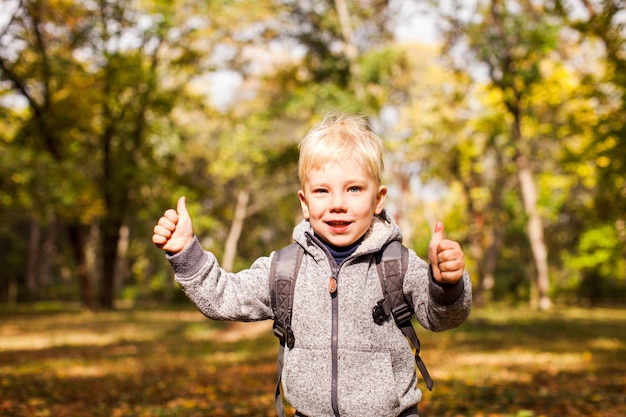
<point>445,294</point>
<point>222,295</point>
<point>437,307</point>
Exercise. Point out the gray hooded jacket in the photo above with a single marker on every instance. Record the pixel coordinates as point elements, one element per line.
<point>342,363</point>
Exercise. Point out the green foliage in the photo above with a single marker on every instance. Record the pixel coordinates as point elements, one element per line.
<point>596,268</point>
<point>597,249</point>
<point>105,122</point>
<point>512,46</point>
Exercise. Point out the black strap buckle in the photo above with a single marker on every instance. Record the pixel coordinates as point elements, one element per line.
<point>402,314</point>
<point>285,335</point>
<point>378,313</point>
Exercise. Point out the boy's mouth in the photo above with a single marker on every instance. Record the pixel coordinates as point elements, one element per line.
<point>338,224</point>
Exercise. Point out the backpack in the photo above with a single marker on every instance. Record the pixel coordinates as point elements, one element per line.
<point>391,264</point>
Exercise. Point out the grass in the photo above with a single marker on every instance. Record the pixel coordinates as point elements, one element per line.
<point>174,362</point>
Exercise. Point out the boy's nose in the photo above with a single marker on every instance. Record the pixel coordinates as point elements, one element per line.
<point>338,203</point>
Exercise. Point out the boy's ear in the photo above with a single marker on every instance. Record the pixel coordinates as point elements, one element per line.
<point>303,204</point>
<point>380,199</point>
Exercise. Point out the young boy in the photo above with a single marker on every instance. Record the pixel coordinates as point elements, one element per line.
<point>342,363</point>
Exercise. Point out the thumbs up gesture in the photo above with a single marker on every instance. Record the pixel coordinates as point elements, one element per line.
<point>446,257</point>
<point>174,230</point>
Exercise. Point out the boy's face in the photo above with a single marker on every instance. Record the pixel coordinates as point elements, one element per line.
<point>340,199</point>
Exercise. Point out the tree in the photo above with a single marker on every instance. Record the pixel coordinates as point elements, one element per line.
<point>600,255</point>
<point>346,62</point>
<point>37,69</point>
<point>97,80</point>
<point>512,46</point>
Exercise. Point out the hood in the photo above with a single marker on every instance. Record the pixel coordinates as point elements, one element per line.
<point>382,231</point>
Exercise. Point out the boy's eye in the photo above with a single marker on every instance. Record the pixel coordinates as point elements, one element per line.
<point>354,189</point>
<point>320,191</point>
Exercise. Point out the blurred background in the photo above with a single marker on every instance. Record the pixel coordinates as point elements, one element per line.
<point>504,119</point>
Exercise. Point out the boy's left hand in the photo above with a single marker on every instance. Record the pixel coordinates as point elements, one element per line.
<point>446,257</point>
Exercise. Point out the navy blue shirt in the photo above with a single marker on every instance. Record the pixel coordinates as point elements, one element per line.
<point>340,253</point>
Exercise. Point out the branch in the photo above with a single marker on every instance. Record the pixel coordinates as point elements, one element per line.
<point>590,9</point>
<point>41,46</point>
<point>350,48</point>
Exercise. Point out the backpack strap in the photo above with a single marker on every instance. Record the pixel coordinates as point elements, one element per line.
<point>283,273</point>
<point>392,264</point>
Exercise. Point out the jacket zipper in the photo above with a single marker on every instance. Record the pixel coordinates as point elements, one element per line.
<point>333,287</point>
<point>334,348</point>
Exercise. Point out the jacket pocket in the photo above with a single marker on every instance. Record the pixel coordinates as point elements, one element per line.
<point>367,385</point>
<point>306,381</point>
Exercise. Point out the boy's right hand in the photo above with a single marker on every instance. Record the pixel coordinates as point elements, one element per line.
<point>174,230</point>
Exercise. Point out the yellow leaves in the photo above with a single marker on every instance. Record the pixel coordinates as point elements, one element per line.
<point>188,404</point>
<point>585,170</point>
<point>479,193</point>
<point>558,83</point>
<point>18,178</point>
<point>606,343</point>
<point>587,174</point>
<point>607,144</point>
<point>603,161</point>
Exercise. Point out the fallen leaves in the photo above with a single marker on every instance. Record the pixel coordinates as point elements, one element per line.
<point>136,363</point>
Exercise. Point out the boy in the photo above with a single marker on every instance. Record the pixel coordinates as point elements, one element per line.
<point>342,363</point>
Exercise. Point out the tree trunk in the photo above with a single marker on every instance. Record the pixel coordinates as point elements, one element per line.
<point>48,251</point>
<point>77,243</point>
<point>33,256</point>
<point>110,234</point>
<point>535,232</point>
<point>493,232</point>
<point>121,265</point>
<point>491,261</point>
<point>230,249</point>
<point>350,50</point>
<point>534,227</point>
<point>485,241</point>
<point>475,235</point>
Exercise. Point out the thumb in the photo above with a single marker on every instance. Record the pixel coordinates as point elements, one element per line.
<point>435,240</point>
<point>181,207</point>
<point>182,234</point>
<point>437,234</point>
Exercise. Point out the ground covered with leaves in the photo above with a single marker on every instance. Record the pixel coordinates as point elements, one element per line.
<point>174,362</point>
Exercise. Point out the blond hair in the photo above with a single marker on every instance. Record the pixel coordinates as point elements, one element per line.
<point>339,137</point>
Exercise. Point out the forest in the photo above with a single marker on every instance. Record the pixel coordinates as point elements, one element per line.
<point>510,127</point>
